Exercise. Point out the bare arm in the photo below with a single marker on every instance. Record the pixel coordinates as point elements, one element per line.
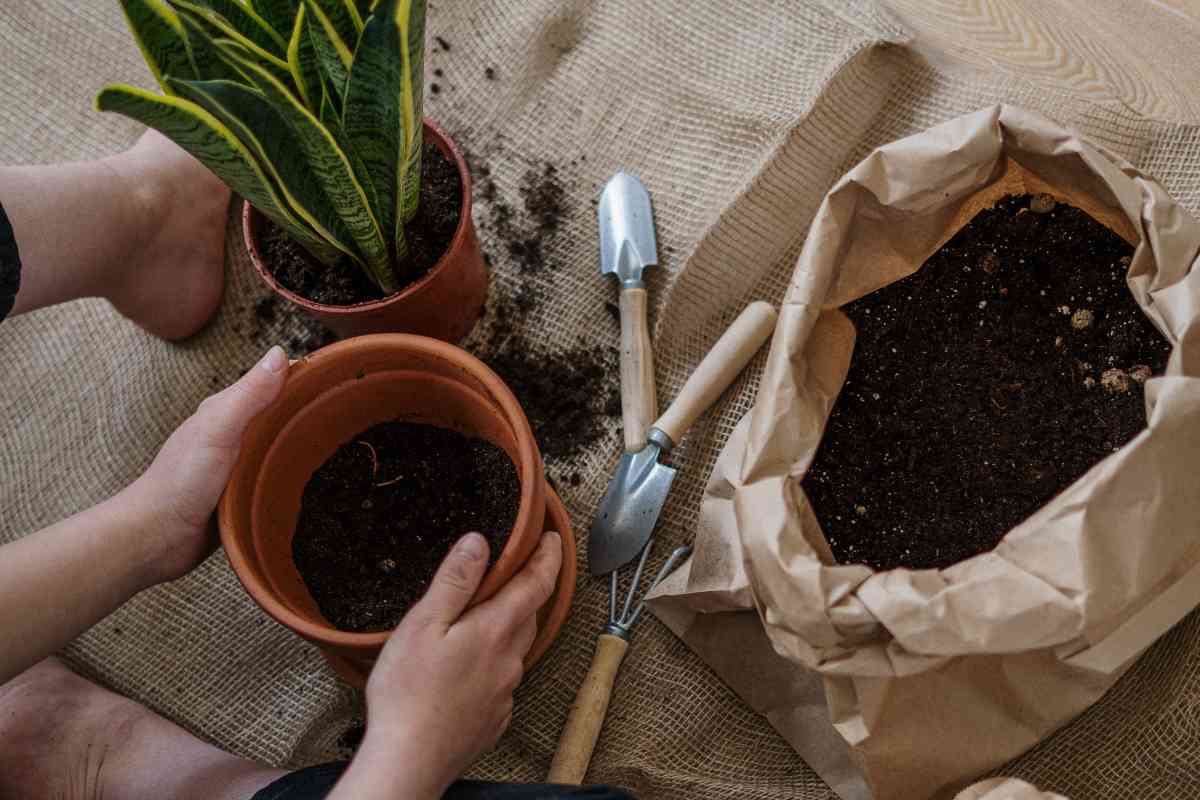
<point>58,582</point>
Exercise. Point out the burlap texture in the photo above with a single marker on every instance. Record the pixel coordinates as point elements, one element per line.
<point>738,117</point>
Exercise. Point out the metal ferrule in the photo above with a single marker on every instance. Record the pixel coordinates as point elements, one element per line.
<point>632,283</point>
<point>655,436</point>
<point>618,630</point>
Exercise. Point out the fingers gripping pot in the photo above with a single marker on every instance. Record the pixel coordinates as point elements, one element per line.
<point>933,677</point>
<point>328,398</point>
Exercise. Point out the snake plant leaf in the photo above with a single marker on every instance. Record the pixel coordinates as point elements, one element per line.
<point>409,191</point>
<point>212,144</point>
<point>243,19</point>
<point>256,123</point>
<point>381,114</point>
<point>334,54</point>
<point>206,22</point>
<point>371,112</point>
<point>333,170</point>
<point>345,18</point>
<point>161,37</point>
<point>279,14</point>
<point>206,56</point>
<point>302,59</point>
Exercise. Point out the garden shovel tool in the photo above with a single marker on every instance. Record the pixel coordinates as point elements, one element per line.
<point>625,524</point>
<point>628,246</point>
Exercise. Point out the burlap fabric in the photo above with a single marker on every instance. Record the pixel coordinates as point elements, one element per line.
<point>738,117</point>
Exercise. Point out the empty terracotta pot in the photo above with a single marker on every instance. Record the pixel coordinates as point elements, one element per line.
<point>328,398</point>
<point>445,304</point>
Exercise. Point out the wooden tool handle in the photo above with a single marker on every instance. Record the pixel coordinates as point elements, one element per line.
<point>639,402</point>
<point>728,357</point>
<point>583,726</point>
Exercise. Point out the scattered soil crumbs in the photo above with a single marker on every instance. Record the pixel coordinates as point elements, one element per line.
<point>544,199</point>
<point>567,394</point>
<point>379,516</point>
<point>981,386</point>
<point>348,743</point>
<point>429,234</point>
<point>568,390</point>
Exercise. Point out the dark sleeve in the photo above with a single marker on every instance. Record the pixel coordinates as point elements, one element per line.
<point>10,266</point>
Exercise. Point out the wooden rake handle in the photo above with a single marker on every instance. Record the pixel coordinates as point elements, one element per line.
<point>583,726</point>
<point>639,402</point>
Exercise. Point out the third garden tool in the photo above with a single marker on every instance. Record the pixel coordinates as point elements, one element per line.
<point>626,519</point>
<point>628,246</point>
<point>627,514</point>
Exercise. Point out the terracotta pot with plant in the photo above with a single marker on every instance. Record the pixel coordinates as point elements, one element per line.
<point>356,210</point>
<point>322,426</point>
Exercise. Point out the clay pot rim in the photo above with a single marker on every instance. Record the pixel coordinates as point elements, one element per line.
<point>256,585</point>
<point>250,222</point>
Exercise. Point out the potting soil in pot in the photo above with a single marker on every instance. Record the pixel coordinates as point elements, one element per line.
<point>981,386</point>
<point>378,517</point>
<point>428,234</point>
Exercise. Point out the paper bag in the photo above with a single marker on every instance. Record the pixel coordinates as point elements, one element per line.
<point>931,678</point>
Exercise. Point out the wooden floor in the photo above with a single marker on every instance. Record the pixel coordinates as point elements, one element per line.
<point>1144,54</point>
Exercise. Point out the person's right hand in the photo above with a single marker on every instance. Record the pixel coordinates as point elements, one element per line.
<point>440,694</point>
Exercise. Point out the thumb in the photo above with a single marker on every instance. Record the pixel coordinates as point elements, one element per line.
<point>456,580</point>
<point>223,417</point>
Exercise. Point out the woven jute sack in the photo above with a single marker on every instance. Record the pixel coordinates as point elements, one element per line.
<point>932,678</point>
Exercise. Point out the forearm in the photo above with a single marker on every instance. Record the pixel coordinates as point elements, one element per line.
<point>58,582</point>
<point>391,768</point>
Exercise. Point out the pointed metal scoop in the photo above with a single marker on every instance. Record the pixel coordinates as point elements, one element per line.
<point>627,243</point>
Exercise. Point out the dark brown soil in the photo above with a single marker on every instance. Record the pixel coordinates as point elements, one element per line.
<point>981,386</point>
<point>429,234</point>
<point>380,515</point>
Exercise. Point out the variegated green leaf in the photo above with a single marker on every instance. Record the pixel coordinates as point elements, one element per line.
<point>243,19</point>
<point>345,18</point>
<point>256,123</point>
<point>413,28</point>
<point>205,20</point>
<point>333,169</point>
<point>161,37</point>
<point>381,114</point>
<point>334,54</point>
<point>329,118</point>
<point>206,56</point>
<point>302,59</point>
<point>215,146</point>
<point>279,14</point>
<point>372,118</point>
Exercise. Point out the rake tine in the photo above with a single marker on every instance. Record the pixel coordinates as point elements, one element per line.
<point>633,586</point>
<point>677,555</point>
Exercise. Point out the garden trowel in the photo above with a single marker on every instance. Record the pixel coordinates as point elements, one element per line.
<point>626,517</point>
<point>627,246</point>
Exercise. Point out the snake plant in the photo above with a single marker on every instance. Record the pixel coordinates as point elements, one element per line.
<point>309,109</point>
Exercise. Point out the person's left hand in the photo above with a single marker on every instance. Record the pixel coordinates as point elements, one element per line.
<point>177,495</point>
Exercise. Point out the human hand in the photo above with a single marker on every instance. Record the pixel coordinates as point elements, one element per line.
<point>441,691</point>
<point>175,498</point>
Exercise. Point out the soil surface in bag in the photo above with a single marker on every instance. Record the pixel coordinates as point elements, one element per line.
<point>428,235</point>
<point>379,516</point>
<point>981,386</point>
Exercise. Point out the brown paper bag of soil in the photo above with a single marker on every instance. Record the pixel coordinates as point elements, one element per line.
<point>932,678</point>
